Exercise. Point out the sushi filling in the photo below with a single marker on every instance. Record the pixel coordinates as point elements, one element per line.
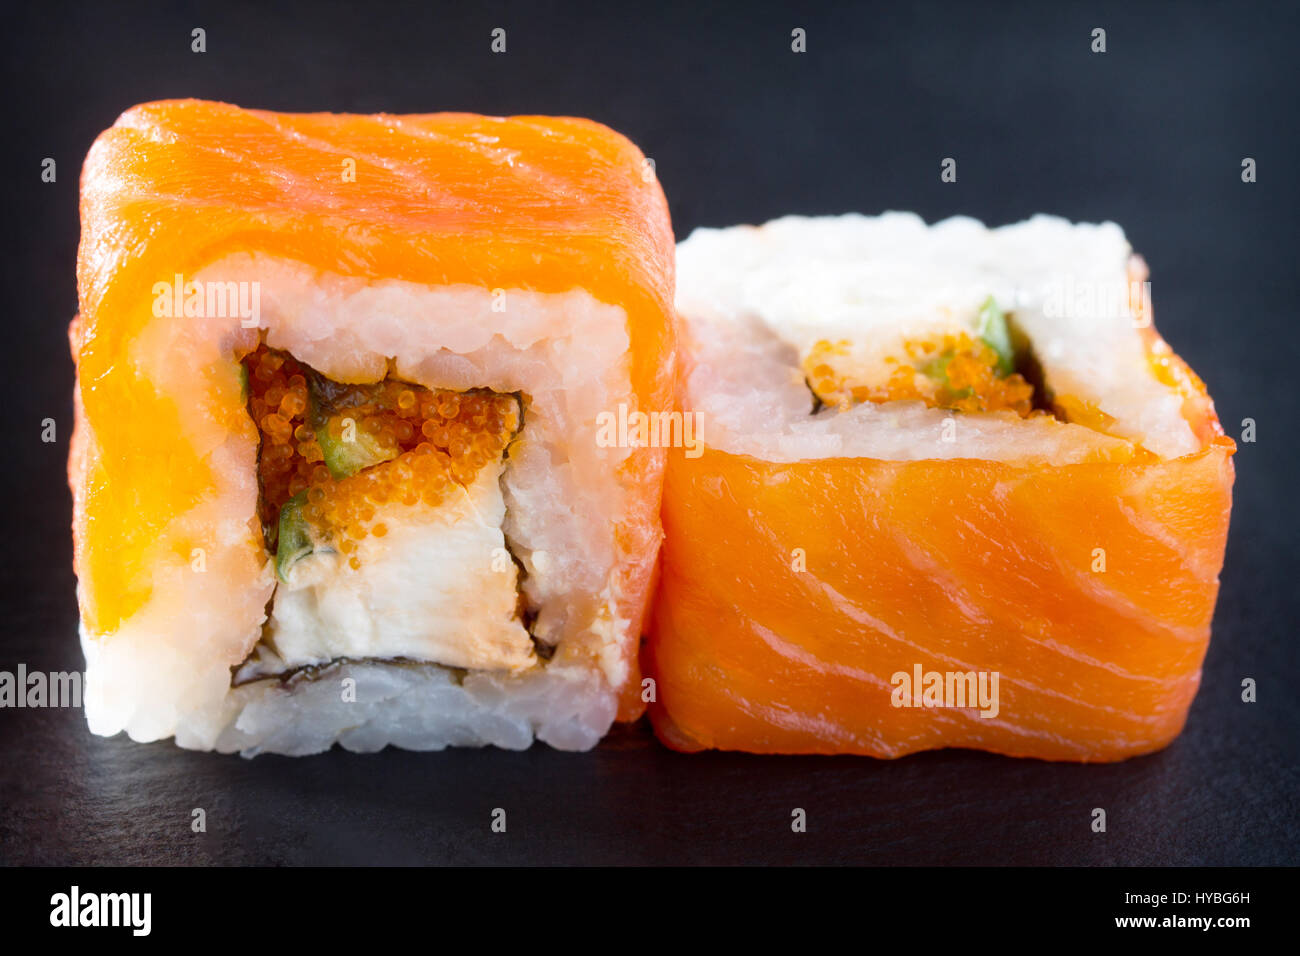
<point>991,368</point>
<point>967,372</point>
<point>382,509</point>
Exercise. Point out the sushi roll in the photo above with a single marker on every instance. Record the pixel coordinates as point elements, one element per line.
<point>955,492</point>
<point>335,473</point>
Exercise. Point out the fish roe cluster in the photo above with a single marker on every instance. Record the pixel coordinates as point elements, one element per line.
<point>442,439</point>
<point>955,372</point>
<point>277,403</point>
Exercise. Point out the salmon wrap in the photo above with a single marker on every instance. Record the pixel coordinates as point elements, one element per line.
<point>335,473</point>
<point>954,491</point>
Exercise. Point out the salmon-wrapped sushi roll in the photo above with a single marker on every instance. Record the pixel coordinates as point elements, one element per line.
<point>334,471</point>
<point>955,492</point>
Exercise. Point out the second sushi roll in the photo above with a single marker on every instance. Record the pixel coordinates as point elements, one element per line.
<point>956,492</point>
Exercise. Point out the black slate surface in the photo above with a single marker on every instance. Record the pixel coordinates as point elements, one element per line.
<point>1151,134</point>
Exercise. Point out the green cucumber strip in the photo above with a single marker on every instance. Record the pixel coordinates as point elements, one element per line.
<point>345,457</point>
<point>354,449</point>
<point>994,333</point>
<point>293,540</point>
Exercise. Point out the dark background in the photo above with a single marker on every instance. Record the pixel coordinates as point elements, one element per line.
<point>1151,134</point>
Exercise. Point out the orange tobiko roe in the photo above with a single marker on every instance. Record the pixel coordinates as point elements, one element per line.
<point>445,438</point>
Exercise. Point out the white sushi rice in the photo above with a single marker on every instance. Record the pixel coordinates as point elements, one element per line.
<point>562,491</point>
<point>755,301</point>
<point>365,706</point>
